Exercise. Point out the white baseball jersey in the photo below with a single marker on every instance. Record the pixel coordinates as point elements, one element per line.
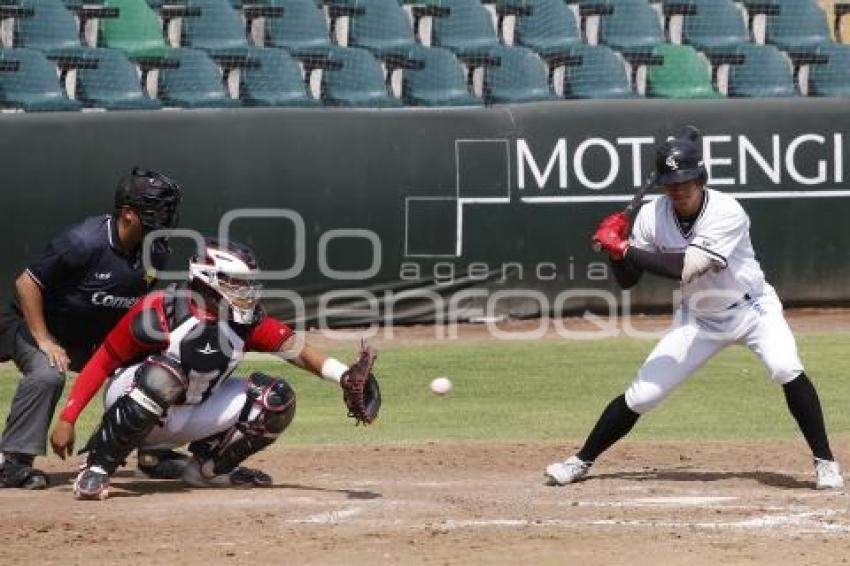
<point>729,304</point>
<point>722,232</point>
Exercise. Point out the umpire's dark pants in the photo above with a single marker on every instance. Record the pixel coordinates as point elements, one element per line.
<point>37,394</point>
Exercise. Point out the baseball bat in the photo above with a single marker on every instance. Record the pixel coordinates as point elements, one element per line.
<point>634,204</point>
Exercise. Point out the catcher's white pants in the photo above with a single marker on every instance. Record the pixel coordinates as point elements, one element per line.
<point>757,323</point>
<point>186,423</point>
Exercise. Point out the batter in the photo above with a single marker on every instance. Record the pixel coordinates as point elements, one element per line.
<point>700,237</point>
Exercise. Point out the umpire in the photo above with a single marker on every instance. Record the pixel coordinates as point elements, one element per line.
<point>66,302</point>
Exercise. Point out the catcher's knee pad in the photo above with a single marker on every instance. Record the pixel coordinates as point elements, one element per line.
<point>159,383</point>
<point>269,408</point>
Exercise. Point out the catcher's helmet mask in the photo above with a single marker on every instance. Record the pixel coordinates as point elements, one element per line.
<point>680,159</point>
<point>224,272</point>
<point>154,196</point>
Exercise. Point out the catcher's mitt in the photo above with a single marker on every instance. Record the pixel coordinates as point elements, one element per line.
<point>360,390</point>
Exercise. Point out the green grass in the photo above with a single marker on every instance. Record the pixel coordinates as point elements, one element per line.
<point>548,390</point>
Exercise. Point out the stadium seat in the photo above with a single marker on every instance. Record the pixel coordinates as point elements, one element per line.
<point>548,27</point>
<point>765,72</point>
<point>28,81</point>
<point>354,78</point>
<point>633,26</point>
<point>517,74</point>
<point>218,28</point>
<point>195,82</point>
<point>465,27</point>
<point>138,31</point>
<point>684,74</point>
<point>274,80</point>
<point>437,80</point>
<point>832,78</point>
<point>602,74</point>
<point>302,30</point>
<point>113,84</point>
<point>51,28</point>
<point>381,26</point>
<point>799,25</point>
<point>717,25</point>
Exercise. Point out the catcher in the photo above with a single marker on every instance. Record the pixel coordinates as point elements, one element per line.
<point>169,362</point>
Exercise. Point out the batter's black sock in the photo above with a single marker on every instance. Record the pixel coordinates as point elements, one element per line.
<point>614,423</point>
<point>803,402</point>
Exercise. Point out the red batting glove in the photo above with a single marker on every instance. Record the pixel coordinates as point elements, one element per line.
<point>611,241</point>
<point>618,222</point>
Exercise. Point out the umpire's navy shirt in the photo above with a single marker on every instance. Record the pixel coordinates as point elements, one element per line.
<point>87,282</point>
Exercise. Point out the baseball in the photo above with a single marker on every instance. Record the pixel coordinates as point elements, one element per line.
<point>441,385</point>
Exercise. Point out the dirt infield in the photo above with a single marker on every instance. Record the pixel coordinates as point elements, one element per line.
<point>458,503</point>
<point>453,504</point>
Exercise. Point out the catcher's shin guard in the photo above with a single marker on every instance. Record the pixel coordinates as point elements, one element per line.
<point>159,383</point>
<point>269,408</point>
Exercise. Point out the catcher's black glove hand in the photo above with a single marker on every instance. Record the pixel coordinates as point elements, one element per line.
<point>360,390</point>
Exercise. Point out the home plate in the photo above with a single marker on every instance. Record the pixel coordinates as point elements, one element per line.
<point>685,500</point>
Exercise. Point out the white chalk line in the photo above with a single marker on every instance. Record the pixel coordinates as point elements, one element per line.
<point>814,522</point>
<point>330,517</point>
<point>771,519</point>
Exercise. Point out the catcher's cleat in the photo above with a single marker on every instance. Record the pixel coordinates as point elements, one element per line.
<point>92,483</point>
<point>239,477</point>
<point>828,474</point>
<point>162,464</point>
<point>569,471</point>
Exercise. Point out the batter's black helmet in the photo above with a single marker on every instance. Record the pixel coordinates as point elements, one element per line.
<point>153,195</point>
<point>680,159</point>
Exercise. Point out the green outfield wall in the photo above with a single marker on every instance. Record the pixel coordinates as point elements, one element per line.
<point>384,206</point>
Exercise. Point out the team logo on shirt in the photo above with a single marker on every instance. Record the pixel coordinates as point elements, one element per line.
<point>103,299</point>
<point>207,349</point>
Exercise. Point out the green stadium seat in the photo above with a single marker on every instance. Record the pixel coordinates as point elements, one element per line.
<point>717,25</point>
<point>437,80</point>
<point>381,26</point>
<point>548,27</point>
<point>195,82</point>
<point>113,84</point>
<point>519,75</point>
<point>466,28</point>
<point>28,81</point>
<point>302,30</point>
<point>138,30</point>
<point>601,74</point>
<point>799,25</point>
<point>684,74</point>
<point>633,26</point>
<point>274,80</point>
<point>765,72</point>
<point>355,78</point>
<point>832,78</point>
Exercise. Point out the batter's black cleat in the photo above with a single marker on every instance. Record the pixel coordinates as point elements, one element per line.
<point>92,484</point>
<point>17,472</point>
<point>162,464</point>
